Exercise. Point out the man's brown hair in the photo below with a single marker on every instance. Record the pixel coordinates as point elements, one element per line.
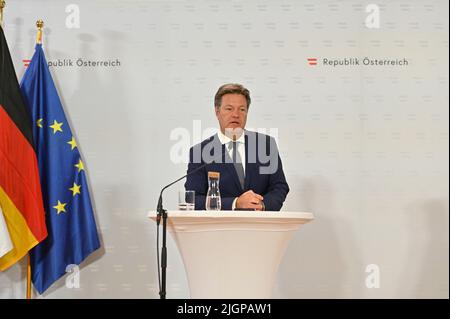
<point>231,88</point>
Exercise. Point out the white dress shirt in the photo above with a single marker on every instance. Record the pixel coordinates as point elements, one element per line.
<point>240,144</point>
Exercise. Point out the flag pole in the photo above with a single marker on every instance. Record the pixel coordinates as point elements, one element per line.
<point>2,5</point>
<point>39,25</point>
<point>29,278</point>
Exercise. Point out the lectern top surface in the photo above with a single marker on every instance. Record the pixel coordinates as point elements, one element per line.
<point>232,214</point>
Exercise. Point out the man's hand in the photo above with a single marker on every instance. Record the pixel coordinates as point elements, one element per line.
<point>250,200</point>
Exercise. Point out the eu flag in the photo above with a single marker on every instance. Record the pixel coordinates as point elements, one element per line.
<point>72,232</point>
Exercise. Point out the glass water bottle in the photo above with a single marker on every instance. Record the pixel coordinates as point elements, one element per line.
<point>213,201</point>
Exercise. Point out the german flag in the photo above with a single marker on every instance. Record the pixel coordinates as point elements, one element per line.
<point>20,189</point>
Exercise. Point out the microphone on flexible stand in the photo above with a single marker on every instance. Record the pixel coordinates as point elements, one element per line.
<point>162,214</point>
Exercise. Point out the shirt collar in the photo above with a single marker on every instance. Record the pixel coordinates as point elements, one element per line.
<point>225,139</point>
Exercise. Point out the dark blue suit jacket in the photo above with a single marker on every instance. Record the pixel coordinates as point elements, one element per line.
<point>263,171</point>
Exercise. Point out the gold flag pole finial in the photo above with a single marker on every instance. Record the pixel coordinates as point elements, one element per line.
<point>39,25</point>
<point>2,5</point>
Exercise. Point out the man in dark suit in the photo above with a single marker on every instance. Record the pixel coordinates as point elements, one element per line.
<point>251,173</point>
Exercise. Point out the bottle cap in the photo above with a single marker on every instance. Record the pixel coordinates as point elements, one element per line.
<point>214,175</point>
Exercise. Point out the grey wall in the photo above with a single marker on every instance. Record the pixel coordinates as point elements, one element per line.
<point>365,148</point>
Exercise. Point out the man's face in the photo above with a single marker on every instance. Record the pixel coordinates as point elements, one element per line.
<point>232,113</point>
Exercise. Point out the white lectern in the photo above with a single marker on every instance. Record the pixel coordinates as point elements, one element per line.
<point>232,254</point>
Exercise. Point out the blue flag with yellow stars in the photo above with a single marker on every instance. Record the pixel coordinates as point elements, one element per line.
<point>72,232</point>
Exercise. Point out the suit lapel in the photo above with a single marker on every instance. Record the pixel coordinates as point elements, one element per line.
<point>248,166</point>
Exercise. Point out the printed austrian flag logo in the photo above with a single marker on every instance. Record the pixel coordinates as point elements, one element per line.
<point>312,61</point>
<point>26,62</point>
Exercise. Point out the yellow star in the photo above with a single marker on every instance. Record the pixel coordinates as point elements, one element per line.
<point>72,143</point>
<point>60,207</point>
<point>39,123</point>
<point>75,189</point>
<point>56,127</point>
<point>80,166</point>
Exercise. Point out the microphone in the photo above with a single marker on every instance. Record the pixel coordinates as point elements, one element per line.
<point>163,214</point>
<point>159,207</point>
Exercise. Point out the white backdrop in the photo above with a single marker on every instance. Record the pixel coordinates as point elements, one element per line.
<point>365,148</point>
